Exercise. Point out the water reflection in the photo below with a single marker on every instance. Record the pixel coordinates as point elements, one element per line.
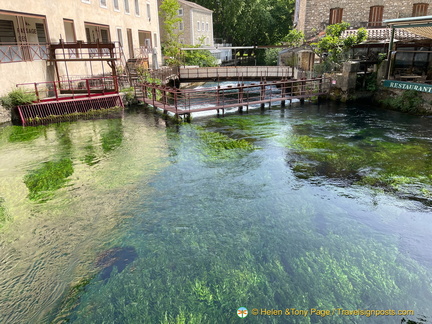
<point>47,248</point>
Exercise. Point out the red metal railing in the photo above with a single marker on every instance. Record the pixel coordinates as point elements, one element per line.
<point>237,73</point>
<point>12,52</point>
<point>186,101</point>
<point>71,88</point>
<point>67,110</point>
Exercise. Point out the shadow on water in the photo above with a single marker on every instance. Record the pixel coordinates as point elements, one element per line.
<point>117,257</point>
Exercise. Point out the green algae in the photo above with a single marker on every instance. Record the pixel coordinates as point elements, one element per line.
<point>113,136</point>
<point>51,176</point>
<point>25,134</point>
<point>209,146</point>
<point>4,216</point>
<point>381,164</point>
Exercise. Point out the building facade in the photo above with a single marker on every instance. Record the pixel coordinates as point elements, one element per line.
<point>313,16</point>
<point>196,25</point>
<point>27,27</point>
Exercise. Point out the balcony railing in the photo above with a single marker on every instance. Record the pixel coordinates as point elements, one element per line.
<point>12,52</point>
<point>143,51</point>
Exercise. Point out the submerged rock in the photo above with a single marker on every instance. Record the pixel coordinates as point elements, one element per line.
<point>118,257</point>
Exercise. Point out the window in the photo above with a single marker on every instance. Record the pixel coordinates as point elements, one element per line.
<point>148,12</point>
<point>376,16</point>
<point>155,39</point>
<point>180,12</point>
<point>120,37</point>
<point>103,3</point>
<point>40,32</point>
<point>97,33</point>
<point>199,26</point>
<point>420,9</point>
<point>85,1</point>
<point>116,5</point>
<point>126,5</point>
<point>137,9</point>
<point>7,32</point>
<point>335,16</point>
<point>181,26</point>
<point>202,26</point>
<point>207,26</point>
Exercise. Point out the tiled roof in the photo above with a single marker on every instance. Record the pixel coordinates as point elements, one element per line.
<point>377,34</point>
<point>194,5</point>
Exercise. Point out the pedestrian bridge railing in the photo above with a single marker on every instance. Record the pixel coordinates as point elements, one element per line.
<point>187,101</point>
<point>257,73</point>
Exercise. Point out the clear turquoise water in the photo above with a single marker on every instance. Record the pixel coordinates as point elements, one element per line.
<point>159,224</point>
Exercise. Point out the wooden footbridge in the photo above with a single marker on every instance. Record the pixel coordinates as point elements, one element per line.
<point>243,95</point>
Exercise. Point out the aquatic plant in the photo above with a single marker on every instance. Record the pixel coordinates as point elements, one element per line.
<point>24,134</point>
<point>4,216</point>
<point>217,146</point>
<point>49,177</point>
<point>379,164</point>
<point>113,136</point>
<point>92,113</point>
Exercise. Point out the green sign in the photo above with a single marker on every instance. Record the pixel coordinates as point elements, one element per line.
<point>408,86</point>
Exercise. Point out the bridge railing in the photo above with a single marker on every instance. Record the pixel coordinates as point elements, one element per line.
<point>71,88</point>
<point>184,101</point>
<point>238,73</point>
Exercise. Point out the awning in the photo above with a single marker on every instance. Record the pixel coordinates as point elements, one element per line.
<point>421,26</point>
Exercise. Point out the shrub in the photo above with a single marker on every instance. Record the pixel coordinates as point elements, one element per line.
<point>17,97</point>
<point>409,101</point>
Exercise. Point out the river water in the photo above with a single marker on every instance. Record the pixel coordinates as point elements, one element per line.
<point>315,208</point>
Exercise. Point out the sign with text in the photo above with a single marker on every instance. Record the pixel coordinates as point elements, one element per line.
<point>408,86</point>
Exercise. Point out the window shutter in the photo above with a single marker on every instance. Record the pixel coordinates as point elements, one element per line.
<point>335,16</point>
<point>420,9</point>
<point>376,16</point>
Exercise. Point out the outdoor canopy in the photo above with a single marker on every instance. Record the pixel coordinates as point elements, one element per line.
<point>421,26</point>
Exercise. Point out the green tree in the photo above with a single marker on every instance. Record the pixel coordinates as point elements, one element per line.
<point>199,57</point>
<point>333,48</point>
<point>241,22</point>
<point>168,12</point>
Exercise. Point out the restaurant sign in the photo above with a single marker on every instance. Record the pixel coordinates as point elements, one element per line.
<point>408,86</point>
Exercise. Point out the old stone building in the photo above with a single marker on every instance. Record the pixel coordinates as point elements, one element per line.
<point>196,24</point>
<point>313,16</point>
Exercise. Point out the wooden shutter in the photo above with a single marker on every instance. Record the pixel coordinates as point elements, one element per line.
<point>335,16</point>
<point>376,16</point>
<point>40,29</point>
<point>420,9</point>
<point>7,32</point>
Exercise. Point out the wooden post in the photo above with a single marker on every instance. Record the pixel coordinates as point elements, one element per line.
<point>283,94</point>
<point>240,98</point>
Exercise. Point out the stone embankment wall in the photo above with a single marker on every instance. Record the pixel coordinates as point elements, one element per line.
<point>5,115</point>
